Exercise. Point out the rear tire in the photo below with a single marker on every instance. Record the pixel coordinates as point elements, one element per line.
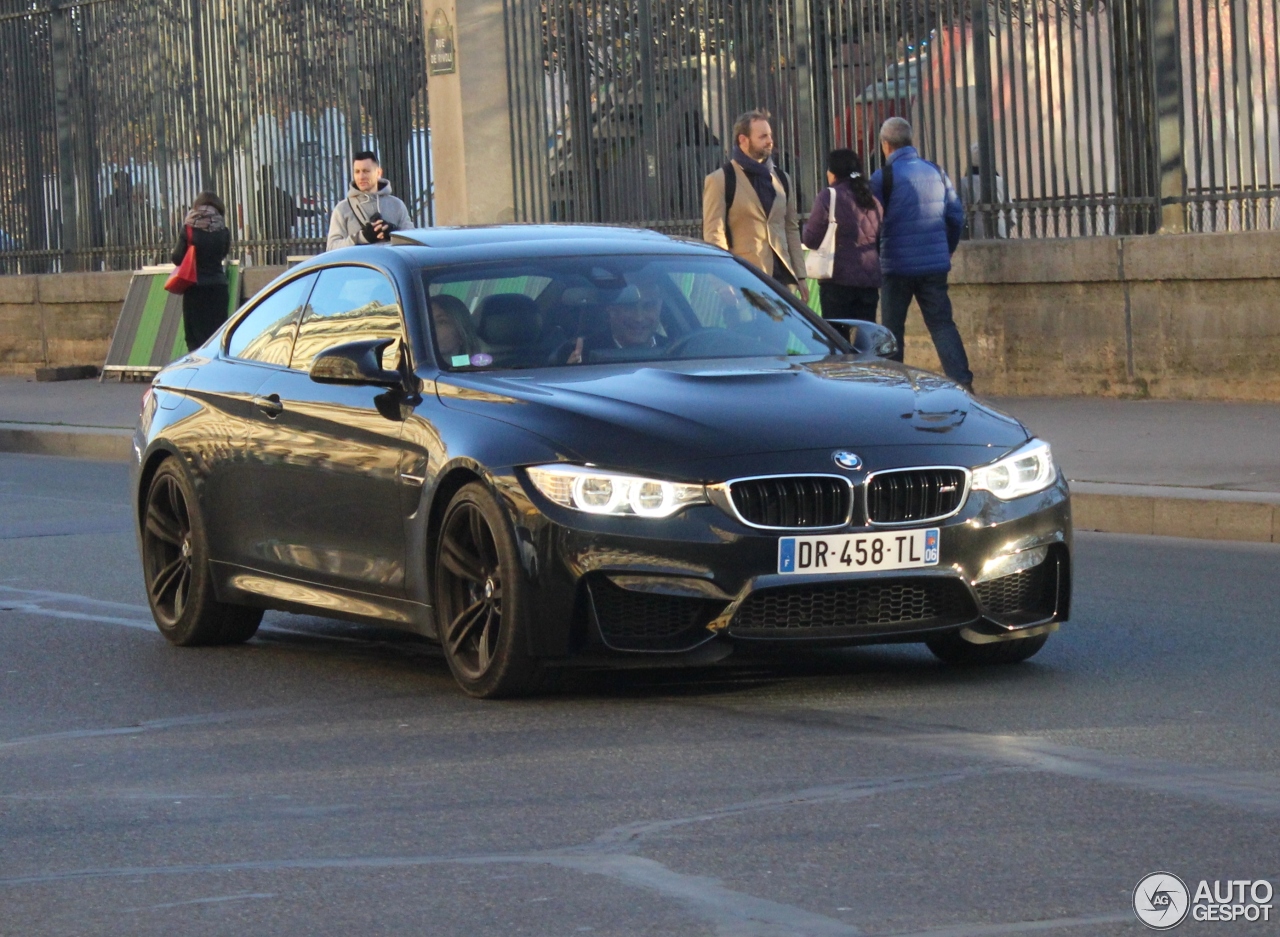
<point>953,649</point>
<point>481,610</point>
<point>175,564</point>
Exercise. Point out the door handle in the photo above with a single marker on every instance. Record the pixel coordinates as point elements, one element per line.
<point>269,405</point>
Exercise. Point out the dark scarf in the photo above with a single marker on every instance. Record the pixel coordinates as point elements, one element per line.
<point>761,176</point>
<point>204,218</point>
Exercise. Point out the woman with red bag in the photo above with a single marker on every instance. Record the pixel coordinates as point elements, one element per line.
<point>204,304</point>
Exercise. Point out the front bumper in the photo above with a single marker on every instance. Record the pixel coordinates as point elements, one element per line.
<point>624,586</point>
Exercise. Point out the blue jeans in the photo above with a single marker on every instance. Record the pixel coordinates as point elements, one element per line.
<point>930,291</point>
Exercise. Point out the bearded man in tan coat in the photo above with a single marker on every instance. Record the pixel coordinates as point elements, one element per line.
<point>761,225</point>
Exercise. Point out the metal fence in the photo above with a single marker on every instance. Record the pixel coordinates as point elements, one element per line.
<point>116,113</point>
<point>1055,117</point>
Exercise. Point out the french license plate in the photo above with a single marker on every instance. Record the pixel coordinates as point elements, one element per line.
<point>843,553</point>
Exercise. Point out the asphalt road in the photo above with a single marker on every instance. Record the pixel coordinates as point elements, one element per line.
<point>326,779</point>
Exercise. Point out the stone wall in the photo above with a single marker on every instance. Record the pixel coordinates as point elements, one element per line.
<point>57,319</point>
<point>1193,316</point>
<point>53,320</point>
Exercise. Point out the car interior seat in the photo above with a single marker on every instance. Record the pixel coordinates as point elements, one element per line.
<point>511,326</point>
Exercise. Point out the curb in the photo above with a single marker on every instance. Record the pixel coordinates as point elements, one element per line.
<point>1166,511</point>
<point>1196,513</point>
<point>77,442</point>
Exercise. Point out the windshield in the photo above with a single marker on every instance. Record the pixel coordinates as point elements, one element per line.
<point>584,311</point>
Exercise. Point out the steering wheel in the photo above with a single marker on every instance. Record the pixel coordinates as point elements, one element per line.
<point>716,342</point>
<point>690,341</point>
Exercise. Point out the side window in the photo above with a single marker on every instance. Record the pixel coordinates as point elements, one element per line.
<point>348,304</point>
<point>266,333</point>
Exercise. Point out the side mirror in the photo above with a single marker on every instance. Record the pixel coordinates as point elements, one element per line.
<point>867,338</point>
<point>355,363</point>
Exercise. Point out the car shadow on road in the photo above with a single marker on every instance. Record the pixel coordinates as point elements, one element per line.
<point>858,669</point>
<point>877,668</point>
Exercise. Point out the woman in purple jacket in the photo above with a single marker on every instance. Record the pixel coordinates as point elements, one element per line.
<point>853,292</point>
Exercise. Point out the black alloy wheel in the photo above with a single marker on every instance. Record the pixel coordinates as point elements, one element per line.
<point>953,649</point>
<point>480,610</point>
<point>175,564</point>
<point>167,550</point>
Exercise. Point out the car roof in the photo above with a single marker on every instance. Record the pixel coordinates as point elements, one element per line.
<point>486,235</point>
<point>425,248</point>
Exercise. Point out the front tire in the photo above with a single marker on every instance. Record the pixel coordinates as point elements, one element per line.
<point>175,564</point>
<point>481,609</point>
<point>953,649</point>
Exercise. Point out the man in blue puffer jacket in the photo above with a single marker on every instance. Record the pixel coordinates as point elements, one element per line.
<point>923,218</point>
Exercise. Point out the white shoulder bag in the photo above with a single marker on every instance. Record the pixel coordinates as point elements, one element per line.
<point>820,264</point>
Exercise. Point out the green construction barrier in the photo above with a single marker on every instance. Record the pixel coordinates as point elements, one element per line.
<point>815,298</point>
<point>149,333</point>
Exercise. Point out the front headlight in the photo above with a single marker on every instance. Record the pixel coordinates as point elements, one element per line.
<point>1024,472</point>
<point>598,492</point>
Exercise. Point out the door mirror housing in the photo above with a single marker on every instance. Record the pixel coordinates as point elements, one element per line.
<point>867,338</point>
<point>355,363</point>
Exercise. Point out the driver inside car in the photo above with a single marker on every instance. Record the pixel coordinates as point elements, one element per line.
<point>634,317</point>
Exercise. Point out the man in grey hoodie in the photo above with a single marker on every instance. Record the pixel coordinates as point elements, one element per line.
<point>370,212</point>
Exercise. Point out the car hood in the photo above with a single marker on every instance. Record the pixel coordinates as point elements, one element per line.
<point>654,414</point>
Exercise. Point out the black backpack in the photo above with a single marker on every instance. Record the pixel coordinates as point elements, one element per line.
<point>731,189</point>
<point>886,189</point>
<point>886,193</point>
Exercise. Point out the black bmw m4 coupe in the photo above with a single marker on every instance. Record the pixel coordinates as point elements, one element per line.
<point>557,446</point>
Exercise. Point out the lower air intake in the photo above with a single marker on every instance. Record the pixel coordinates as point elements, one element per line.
<point>853,608</point>
<point>1029,594</point>
<point>648,621</point>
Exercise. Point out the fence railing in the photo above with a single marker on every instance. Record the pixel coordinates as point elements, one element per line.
<point>116,113</point>
<point>1080,116</point>
<point>1054,117</point>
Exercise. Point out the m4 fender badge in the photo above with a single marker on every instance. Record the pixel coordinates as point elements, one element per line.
<point>847,460</point>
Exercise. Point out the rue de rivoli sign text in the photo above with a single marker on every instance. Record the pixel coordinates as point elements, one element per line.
<point>440,45</point>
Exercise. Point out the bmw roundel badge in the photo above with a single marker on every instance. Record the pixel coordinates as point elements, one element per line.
<point>846,459</point>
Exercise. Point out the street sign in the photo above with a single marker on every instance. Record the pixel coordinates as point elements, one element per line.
<point>440,45</point>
